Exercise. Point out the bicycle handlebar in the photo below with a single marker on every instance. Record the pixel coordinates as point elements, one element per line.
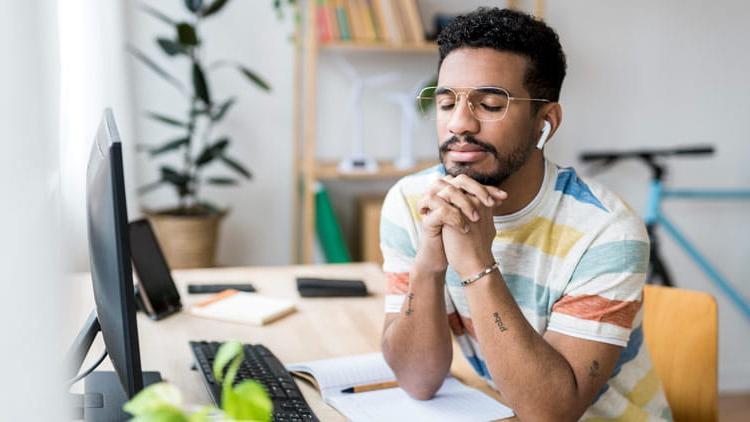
<point>646,154</point>
<point>607,158</point>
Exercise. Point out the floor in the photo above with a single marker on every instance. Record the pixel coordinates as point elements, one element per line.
<point>734,407</point>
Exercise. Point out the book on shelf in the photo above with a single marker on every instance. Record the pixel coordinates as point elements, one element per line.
<point>336,377</point>
<point>342,19</point>
<point>385,21</point>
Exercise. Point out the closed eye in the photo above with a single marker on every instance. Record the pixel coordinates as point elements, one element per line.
<point>492,109</point>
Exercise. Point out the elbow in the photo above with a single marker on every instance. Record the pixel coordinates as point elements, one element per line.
<point>552,413</point>
<point>420,390</point>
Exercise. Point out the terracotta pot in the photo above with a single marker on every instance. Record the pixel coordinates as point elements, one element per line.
<point>187,241</point>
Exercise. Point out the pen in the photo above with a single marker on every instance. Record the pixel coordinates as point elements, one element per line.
<point>370,387</point>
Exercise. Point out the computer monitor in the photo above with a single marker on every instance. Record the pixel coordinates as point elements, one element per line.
<point>112,279</point>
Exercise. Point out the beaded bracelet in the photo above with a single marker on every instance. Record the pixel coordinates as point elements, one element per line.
<point>480,274</point>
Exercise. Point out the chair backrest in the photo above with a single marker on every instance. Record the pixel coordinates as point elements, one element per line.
<point>680,330</point>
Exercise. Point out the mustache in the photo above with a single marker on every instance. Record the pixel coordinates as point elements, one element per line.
<point>469,139</point>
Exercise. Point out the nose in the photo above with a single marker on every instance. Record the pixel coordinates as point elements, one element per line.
<point>462,121</point>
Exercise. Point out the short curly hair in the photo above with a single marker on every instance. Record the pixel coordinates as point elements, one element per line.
<point>515,32</point>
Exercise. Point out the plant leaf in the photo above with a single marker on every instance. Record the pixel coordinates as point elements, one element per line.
<point>151,186</point>
<point>169,146</point>
<point>211,207</point>
<point>257,80</point>
<point>222,181</point>
<point>154,397</point>
<point>202,414</point>
<point>223,109</point>
<point>200,85</point>
<point>179,180</point>
<point>166,119</point>
<point>234,165</point>
<point>211,152</point>
<point>170,47</point>
<point>155,67</point>
<point>186,34</point>
<point>227,352</point>
<point>156,13</point>
<point>214,7</point>
<point>250,402</point>
<point>194,5</point>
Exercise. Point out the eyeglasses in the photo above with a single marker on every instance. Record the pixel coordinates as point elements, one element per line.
<point>486,103</point>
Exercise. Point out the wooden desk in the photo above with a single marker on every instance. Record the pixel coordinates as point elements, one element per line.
<point>321,327</point>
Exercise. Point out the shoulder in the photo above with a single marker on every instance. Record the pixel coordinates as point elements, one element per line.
<point>596,208</point>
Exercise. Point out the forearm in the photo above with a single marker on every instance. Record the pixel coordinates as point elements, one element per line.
<point>417,343</point>
<point>536,379</point>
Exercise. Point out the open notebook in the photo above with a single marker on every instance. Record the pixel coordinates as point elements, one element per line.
<point>453,402</point>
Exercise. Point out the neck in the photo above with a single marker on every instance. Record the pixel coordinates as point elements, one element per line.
<point>523,185</point>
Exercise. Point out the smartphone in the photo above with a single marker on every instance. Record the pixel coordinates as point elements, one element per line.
<point>157,290</point>
<point>216,288</point>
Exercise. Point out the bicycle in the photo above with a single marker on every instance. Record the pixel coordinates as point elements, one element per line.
<point>654,216</point>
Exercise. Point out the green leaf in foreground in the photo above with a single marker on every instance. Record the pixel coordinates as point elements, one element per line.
<point>156,397</point>
<point>248,401</point>
<point>228,351</point>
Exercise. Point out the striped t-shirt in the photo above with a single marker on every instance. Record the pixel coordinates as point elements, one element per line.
<point>575,261</point>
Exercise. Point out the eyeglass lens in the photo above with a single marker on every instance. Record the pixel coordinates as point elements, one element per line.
<point>486,104</point>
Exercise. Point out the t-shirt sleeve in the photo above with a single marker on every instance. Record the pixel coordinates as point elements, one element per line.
<point>602,300</point>
<point>398,240</point>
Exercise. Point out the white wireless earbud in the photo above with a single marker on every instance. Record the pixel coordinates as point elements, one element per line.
<point>545,134</point>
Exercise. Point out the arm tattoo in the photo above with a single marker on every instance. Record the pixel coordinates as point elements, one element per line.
<point>409,309</point>
<point>499,322</point>
<point>594,369</point>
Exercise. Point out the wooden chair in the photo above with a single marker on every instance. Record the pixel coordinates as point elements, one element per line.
<point>680,330</point>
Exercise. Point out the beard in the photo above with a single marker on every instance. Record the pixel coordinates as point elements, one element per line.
<point>507,164</point>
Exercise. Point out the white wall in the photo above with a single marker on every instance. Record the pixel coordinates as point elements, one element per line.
<point>257,228</point>
<point>641,74</point>
<point>30,247</point>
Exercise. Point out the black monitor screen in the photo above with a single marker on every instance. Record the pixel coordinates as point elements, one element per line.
<point>109,253</point>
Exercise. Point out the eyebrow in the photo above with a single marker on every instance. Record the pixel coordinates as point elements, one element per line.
<point>487,89</point>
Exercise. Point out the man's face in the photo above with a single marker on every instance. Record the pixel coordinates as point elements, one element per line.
<point>488,152</point>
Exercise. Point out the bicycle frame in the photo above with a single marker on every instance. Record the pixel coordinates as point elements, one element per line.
<point>654,217</point>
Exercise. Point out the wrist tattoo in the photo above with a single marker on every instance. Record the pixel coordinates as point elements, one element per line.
<point>409,309</point>
<point>594,369</point>
<point>499,322</point>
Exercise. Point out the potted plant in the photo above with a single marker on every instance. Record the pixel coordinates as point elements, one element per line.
<point>188,231</point>
<point>246,401</point>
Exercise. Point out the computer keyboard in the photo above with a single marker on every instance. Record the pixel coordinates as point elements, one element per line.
<point>261,365</point>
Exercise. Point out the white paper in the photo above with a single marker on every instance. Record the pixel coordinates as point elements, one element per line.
<point>454,401</point>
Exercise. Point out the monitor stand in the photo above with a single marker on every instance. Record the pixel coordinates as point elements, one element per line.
<point>104,396</point>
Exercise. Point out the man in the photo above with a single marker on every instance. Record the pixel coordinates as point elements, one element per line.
<point>537,274</point>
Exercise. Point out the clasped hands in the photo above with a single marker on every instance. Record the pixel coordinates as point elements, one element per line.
<point>457,225</point>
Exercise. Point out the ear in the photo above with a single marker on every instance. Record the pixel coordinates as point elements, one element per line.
<point>549,120</point>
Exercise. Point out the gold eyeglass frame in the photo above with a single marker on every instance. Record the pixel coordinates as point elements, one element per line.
<point>466,91</point>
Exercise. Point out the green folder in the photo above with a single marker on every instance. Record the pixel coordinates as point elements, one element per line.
<point>328,228</point>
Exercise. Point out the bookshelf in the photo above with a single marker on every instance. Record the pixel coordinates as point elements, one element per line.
<point>307,168</point>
